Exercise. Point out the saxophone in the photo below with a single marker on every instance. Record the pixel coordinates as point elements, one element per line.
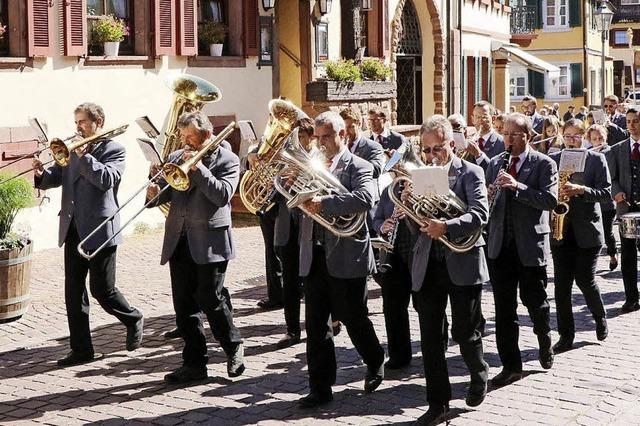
<point>560,211</point>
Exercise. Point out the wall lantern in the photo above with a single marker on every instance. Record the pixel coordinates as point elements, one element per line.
<point>366,5</point>
<point>268,4</point>
<point>325,6</point>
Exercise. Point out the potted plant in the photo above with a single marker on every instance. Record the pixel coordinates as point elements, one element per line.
<point>3,29</point>
<point>15,249</point>
<point>110,31</point>
<point>212,34</point>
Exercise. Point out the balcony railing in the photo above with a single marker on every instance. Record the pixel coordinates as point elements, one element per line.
<point>523,19</point>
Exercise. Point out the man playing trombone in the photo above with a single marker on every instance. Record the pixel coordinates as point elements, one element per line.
<point>89,193</point>
<point>198,246</point>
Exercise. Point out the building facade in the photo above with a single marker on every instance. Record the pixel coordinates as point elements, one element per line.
<point>626,16</point>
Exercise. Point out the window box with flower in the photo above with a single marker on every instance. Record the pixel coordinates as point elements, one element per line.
<point>109,31</point>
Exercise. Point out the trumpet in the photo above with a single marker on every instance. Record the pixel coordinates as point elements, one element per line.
<point>176,176</point>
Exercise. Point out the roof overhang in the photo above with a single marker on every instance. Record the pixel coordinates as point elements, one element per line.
<point>514,53</point>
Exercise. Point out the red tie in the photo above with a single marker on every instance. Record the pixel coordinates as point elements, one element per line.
<point>513,171</point>
<point>635,153</point>
<point>481,144</point>
<point>380,139</point>
<point>350,146</point>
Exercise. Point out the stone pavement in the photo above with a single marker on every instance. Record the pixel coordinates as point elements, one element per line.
<point>594,384</point>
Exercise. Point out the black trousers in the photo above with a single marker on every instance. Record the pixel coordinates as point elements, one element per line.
<point>348,298</point>
<point>102,284</point>
<point>273,265</point>
<point>629,261</point>
<point>200,288</point>
<point>396,294</point>
<point>607,223</point>
<point>507,274</point>
<point>291,281</point>
<point>574,263</point>
<point>431,303</point>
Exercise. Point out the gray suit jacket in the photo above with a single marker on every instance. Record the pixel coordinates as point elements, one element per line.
<point>537,121</point>
<point>535,197</point>
<point>619,120</point>
<point>89,192</point>
<point>468,268</point>
<point>346,257</point>
<point>584,210</point>
<point>283,222</point>
<point>494,145</point>
<point>620,169</point>
<point>393,141</point>
<point>203,211</point>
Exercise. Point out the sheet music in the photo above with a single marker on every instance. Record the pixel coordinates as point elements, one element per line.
<point>430,181</point>
<point>599,117</point>
<point>460,141</point>
<point>573,160</point>
<point>149,150</point>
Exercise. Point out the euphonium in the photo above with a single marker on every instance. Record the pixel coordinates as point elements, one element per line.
<point>421,208</point>
<point>559,213</point>
<point>256,186</point>
<point>310,177</point>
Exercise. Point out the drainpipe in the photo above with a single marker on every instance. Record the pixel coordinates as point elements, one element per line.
<point>449,57</point>
<point>460,2</point>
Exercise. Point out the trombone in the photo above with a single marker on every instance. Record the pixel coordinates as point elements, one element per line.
<point>61,149</point>
<point>176,176</point>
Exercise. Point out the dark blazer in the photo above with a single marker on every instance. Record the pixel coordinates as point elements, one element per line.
<point>607,205</point>
<point>204,210</point>
<point>615,134</point>
<point>584,210</point>
<point>535,197</point>
<point>391,141</point>
<point>89,192</point>
<point>537,121</point>
<point>620,170</point>
<point>346,257</point>
<point>468,268</point>
<point>374,154</point>
<point>619,120</point>
<point>494,145</point>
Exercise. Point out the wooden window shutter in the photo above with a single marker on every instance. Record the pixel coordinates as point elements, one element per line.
<point>187,27</point>
<point>576,80</point>
<point>164,27</point>
<point>250,14</point>
<point>536,84</point>
<point>575,13</point>
<point>75,27</point>
<point>40,19</point>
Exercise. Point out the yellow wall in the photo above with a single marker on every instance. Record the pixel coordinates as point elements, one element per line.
<point>287,20</point>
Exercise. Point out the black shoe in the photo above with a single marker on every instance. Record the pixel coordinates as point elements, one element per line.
<point>629,307</point>
<point>337,328</point>
<point>562,345</point>
<point>393,364</point>
<point>186,374</point>
<point>436,414</point>
<point>373,378</point>
<point>176,333</point>
<point>315,399</point>
<point>288,340</point>
<point>77,358</point>
<point>476,394</point>
<point>602,330</point>
<point>267,304</point>
<point>134,335</point>
<point>613,264</point>
<point>506,377</point>
<point>545,354</point>
<point>235,361</point>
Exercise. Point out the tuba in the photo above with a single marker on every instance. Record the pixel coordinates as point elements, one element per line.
<point>256,186</point>
<point>422,208</point>
<point>312,178</point>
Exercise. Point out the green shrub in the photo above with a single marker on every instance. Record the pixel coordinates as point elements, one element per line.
<point>14,195</point>
<point>109,29</point>
<point>342,70</point>
<point>211,32</point>
<point>374,69</point>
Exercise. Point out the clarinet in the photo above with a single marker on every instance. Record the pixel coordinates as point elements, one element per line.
<point>504,165</point>
<point>384,256</point>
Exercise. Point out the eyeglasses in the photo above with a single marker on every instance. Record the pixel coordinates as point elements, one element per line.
<point>436,149</point>
<point>573,137</point>
<point>513,135</point>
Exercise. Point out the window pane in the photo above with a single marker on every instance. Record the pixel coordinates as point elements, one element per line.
<point>118,8</point>
<point>551,21</point>
<point>95,7</point>
<point>212,10</point>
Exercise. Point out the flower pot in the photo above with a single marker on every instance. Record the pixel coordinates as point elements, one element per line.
<point>111,48</point>
<point>15,274</point>
<point>215,49</point>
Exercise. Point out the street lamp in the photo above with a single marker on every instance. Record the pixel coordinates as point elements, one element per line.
<point>268,4</point>
<point>325,6</point>
<point>603,16</point>
<point>366,5</point>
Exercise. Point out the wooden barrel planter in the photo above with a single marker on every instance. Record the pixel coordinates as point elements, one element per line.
<point>15,275</point>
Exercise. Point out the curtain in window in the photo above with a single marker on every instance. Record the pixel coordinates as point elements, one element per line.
<point>212,10</point>
<point>118,8</point>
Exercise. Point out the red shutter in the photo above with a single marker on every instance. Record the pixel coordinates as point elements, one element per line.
<point>250,14</point>
<point>40,19</point>
<point>75,27</point>
<point>188,27</point>
<point>165,27</point>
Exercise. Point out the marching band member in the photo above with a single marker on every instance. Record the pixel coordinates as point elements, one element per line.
<point>498,124</point>
<point>550,138</point>
<point>611,109</point>
<point>335,269</point>
<point>597,137</point>
<point>379,132</point>
<point>490,143</point>
<point>518,244</point>
<point>198,246</point>
<point>575,251</point>
<point>439,274</point>
<point>89,193</point>
<point>529,108</point>
<point>625,187</point>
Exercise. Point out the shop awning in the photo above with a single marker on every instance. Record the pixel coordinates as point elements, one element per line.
<point>511,51</point>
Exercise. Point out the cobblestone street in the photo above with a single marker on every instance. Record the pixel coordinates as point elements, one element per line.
<point>596,383</point>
